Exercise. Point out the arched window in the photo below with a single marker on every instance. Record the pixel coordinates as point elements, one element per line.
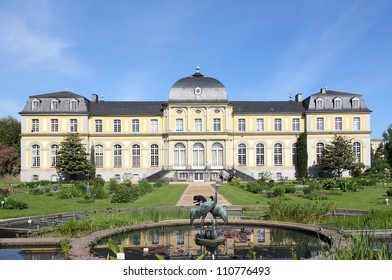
<point>319,103</point>
<point>198,155</point>
<point>179,155</point>
<point>36,156</point>
<point>319,152</point>
<point>53,155</point>
<point>135,155</point>
<point>294,153</point>
<point>217,155</point>
<point>242,154</point>
<point>117,155</point>
<point>154,151</point>
<point>99,156</point>
<point>278,154</point>
<point>260,154</point>
<point>357,151</point>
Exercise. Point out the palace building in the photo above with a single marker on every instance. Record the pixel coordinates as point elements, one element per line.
<point>196,135</point>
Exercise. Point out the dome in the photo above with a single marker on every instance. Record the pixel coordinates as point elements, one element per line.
<point>198,88</point>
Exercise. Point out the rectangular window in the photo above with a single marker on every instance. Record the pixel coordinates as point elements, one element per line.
<point>98,125</point>
<point>337,103</point>
<point>180,238</point>
<point>35,105</point>
<point>116,125</point>
<point>154,125</point>
<point>198,125</point>
<point>73,105</point>
<point>135,125</point>
<point>54,125</point>
<point>278,124</point>
<point>35,125</point>
<point>338,123</point>
<point>295,124</point>
<point>259,124</point>
<point>73,125</point>
<point>357,123</point>
<point>179,125</point>
<point>320,124</point>
<point>355,103</point>
<point>217,124</point>
<point>54,105</point>
<point>241,125</point>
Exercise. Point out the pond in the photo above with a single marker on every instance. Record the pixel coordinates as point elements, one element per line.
<point>30,254</point>
<point>242,242</point>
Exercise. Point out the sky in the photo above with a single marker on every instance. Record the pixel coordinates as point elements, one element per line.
<point>136,50</point>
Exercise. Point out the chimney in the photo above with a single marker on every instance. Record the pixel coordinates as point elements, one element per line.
<point>323,90</point>
<point>298,97</point>
<point>94,98</point>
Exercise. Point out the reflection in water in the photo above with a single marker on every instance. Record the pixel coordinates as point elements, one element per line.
<point>179,243</point>
<point>30,254</point>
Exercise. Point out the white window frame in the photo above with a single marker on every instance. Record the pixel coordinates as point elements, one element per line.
<point>338,123</point>
<point>356,123</point>
<point>54,125</point>
<point>242,125</point>
<point>154,125</point>
<point>296,124</point>
<point>259,124</point>
<point>217,124</point>
<point>35,125</point>
<point>278,124</point>
<point>98,126</point>
<point>320,124</point>
<point>117,126</point>
<point>73,125</point>
<point>179,124</point>
<point>135,125</point>
<point>198,125</point>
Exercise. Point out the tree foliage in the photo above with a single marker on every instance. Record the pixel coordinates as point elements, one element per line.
<point>10,132</point>
<point>302,156</point>
<point>387,136</point>
<point>72,158</point>
<point>9,160</point>
<point>338,156</point>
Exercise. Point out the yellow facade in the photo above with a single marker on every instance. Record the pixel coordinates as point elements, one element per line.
<point>194,136</point>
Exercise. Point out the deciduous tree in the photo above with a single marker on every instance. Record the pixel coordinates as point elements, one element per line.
<point>9,160</point>
<point>387,136</point>
<point>10,132</point>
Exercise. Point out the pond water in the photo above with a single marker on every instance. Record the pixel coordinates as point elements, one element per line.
<point>30,254</point>
<point>242,242</point>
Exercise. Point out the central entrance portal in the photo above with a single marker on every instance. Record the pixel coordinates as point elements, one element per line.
<point>199,177</point>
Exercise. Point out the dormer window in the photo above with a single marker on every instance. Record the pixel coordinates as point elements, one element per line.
<point>319,103</point>
<point>35,105</point>
<point>54,105</point>
<point>355,103</point>
<point>337,103</point>
<point>197,91</point>
<point>73,105</point>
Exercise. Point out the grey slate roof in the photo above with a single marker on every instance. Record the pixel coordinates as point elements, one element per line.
<point>118,108</point>
<point>184,89</point>
<point>267,107</point>
<point>328,97</point>
<point>63,97</point>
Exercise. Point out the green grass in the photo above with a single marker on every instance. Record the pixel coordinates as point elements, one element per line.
<point>43,204</point>
<point>237,196</point>
<point>165,196</point>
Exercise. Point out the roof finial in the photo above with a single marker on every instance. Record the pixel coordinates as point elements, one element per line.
<point>197,69</point>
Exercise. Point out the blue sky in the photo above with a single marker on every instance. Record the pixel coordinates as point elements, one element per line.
<point>136,50</point>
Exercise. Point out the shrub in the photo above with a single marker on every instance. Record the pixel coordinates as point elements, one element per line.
<point>289,189</point>
<point>97,182</point>
<point>161,183</point>
<point>389,192</point>
<point>307,190</point>
<point>70,191</point>
<point>114,186</point>
<point>36,191</point>
<point>278,191</point>
<point>123,197</point>
<point>10,203</point>
<point>98,192</point>
<point>235,182</point>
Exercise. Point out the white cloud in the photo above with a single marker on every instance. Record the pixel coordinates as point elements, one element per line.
<point>27,41</point>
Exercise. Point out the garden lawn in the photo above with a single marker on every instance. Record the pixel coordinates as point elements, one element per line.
<point>44,204</point>
<point>165,196</point>
<point>237,196</point>
<point>367,198</point>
